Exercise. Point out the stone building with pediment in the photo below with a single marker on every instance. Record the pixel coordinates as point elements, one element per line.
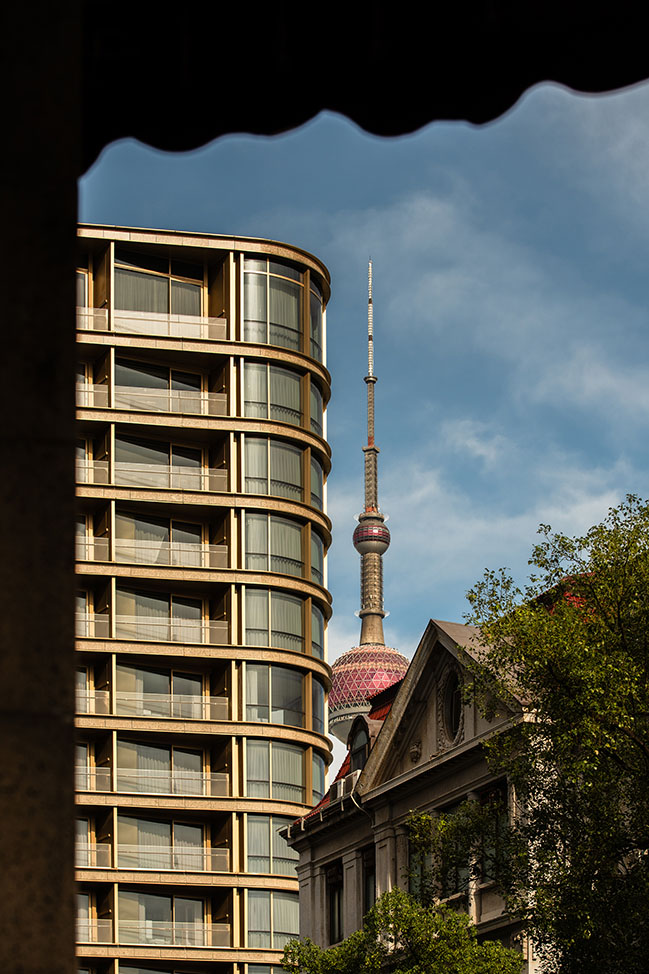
<point>420,747</point>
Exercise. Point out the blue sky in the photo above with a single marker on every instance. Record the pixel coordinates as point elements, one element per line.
<point>511,319</point>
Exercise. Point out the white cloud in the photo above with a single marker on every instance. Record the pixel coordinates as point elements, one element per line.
<point>474,438</point>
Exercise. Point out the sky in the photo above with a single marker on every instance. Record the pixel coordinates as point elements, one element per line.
<point>511,311</point>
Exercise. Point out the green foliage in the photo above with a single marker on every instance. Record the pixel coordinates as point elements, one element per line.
<point>572,647</point>
<point>401,936</point>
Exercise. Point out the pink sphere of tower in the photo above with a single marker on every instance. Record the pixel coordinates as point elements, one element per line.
<point>357,675</point>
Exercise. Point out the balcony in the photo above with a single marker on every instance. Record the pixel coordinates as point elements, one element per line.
<point>91,855</point>
<point>214,784</point>
<point>94,931</point>
<point>149,475</point>
<point>166,629</point>
<point>93,779</point>
<point>184,859</point>
<point>174,705</point>
<point>152,323</point>
<point>92,395</point>
<point>215,632</point>
<point>174,933</point>
<point>171,401</point>
<point>173,553</point>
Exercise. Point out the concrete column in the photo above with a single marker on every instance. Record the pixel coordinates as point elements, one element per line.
<point>40,165</point>
<point>401,855</point>
<point>305,875</point>
<point>352,892</point>
<point>320,934</point>
<point>386,867</point>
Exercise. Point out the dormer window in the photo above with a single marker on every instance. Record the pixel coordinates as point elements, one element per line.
<point>360,749</point>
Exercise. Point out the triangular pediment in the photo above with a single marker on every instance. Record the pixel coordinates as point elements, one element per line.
<point>430,720</point>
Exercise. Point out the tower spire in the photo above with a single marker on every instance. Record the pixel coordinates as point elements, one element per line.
<point>371,537</point>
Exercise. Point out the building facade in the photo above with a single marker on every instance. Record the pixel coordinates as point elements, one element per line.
<point>419,747</point>
<point>202,602</point>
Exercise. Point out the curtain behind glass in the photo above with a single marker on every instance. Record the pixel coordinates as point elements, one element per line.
<point>316,327</point>
<point>288,772</point>
<point>287,706</point>
<point>258,769</point>
<point>316,409</point>
<point>317,481</point>
<point>255,391</point>
<point>317,705</point>
<point>317,558</point>
<point>185,298</point>
<point>256,617</point>
<point>257,692</point>
<point>286,918</point>
<point>285,396</point>
<point>317,632</point>
<point>284,858</point>
<point>135,291</point>
<point>256,465</point>
<point>286,546</point>
<point>285,470</point>
<point>258,844</point>
<point>286,622</point>
<point>257,542</point>
<point>318,779</point>
<point>254,303</point>
<point>258,918</point>
<point>284,317</point>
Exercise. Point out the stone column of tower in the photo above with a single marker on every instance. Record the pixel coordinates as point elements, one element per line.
<point>371,666</point>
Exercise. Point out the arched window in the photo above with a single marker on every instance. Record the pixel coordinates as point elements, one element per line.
<point>360,749</point>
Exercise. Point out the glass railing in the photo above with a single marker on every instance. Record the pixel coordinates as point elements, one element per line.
<point>178,933</point>
<point>92,319</point>
<point>153,323</point>
<point>167,857</point>
<point>92,779</point>
<point>171,553</point>
<point>89,625</point>
<point>171,401</point>
<point>92,855</point>
<point>92,395</point>
<point>93,701</point>
<point>153,475</point>
<point>171,477</point>
<point>170,326</point>
<point>94,931</point>
<point>215,784</point>
<point>168,629</point>
<point>92,549</point>
<point>183,706</point>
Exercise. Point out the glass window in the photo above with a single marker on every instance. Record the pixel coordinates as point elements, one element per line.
<point>275,770</point>
<point>273,467</point>
<point>283,536</point>
<point>135,291</point>
<point>315,308</point>
<point>268,852</point>
<point>286,615</point>
<point>317,558</point>
<point>317,484</point>
<point>272,392</point>
<point>273,918</point>
<point>82,289</point>
<point>159,291</point>
<point>318,772</point>
<point>259,932</point>
<point>272,303</point>
<point>317,705</point>
<point>316,411</point>
<point>317,632</point>
<point>274,694</point>
<point>284,319</point>
<point>258,769</point>
<point>359,749</point>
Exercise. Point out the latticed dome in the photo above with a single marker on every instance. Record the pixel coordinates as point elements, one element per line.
<point>357,675</point>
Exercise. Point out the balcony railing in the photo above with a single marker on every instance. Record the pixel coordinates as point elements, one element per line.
<point>154,552</point>
<point>168,629</point>
<point>166,476</point>
<point>92,395</point>
<point>178,705</point>
<point>160,629</point>
<point>93,701</point>
<point>92,855</point>
<point>171,553</point>
<point>92,319</point>
<point>176,933</point>
<point>92,779</point>
<point>215,784</point>
<point>171,401</point>
<point>153,323</point>
<point>183,706</point>
<point>185,859</point>
<point>94,931</point>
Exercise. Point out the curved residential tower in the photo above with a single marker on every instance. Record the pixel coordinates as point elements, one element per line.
<point>372,666</point>
<point>202,602</point>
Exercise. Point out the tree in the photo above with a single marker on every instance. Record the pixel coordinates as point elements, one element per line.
<point>572,646</point>
<point>401,936</point>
